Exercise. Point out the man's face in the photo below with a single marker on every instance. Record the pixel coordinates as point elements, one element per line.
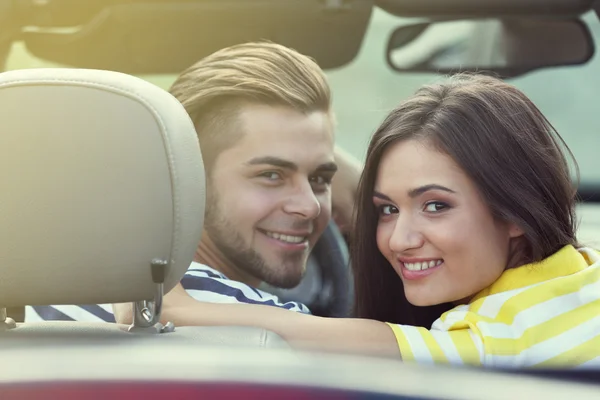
<point>269,195</point>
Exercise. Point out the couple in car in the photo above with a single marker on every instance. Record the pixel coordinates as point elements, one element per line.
<point>464,244</point>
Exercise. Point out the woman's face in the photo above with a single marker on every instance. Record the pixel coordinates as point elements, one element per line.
<point>434,227</point>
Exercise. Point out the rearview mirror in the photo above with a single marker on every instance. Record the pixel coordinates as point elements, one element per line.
<point>166,37</point>
<point>508,47</point>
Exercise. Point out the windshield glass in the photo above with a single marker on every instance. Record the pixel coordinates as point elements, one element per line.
<point>365,90</point>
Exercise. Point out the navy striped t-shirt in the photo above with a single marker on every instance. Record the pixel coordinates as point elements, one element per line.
<point>200,281</point>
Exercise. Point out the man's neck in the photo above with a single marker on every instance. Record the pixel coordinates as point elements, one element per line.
<point>208,254</point>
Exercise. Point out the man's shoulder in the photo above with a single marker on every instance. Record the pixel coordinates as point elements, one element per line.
<point>80,313</point>
<point>204,283</point>
<point>200,281</point>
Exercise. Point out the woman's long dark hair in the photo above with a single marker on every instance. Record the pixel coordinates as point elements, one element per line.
<point>504,144</point>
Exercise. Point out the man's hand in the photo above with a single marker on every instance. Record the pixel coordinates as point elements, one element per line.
<point>123,313</point>
<point>344,189</point>
<point>176,297</point>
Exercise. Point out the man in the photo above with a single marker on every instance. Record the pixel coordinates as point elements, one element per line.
<point>263,117</point>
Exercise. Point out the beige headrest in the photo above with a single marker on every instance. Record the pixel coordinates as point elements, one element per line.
<point>101,173</point>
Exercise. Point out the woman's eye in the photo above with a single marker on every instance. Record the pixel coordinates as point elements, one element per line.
<point>387,210</point>
<point>435,206</point>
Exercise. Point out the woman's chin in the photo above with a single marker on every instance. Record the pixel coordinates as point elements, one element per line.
<point>418,300</point>
<point>424,302</point>
<point>421,302</point>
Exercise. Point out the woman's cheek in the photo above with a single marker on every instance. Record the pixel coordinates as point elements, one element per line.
<point>384,231</point>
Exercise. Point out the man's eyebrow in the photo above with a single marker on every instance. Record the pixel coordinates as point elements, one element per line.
<point>327,167</point>
<point>274,161</point>
<point>281,163</point>
<point>425,188</point>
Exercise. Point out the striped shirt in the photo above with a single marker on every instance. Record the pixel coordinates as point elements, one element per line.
<point>539,315</point>
<point>200,281</point>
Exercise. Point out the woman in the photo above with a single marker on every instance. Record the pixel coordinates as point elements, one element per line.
<point>466,248</point>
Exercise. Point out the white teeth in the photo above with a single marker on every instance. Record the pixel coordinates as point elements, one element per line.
<point>287,238</point>
<point>420,266</point>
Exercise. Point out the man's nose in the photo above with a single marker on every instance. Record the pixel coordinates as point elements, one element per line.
<point>303,202</point>
<point>406,235</point>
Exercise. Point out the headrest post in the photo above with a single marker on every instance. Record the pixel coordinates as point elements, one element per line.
<point>146,314</point>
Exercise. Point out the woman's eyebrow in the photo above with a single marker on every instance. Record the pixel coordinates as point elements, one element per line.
<point>425,188</point>
<point>416,191</point>
<point>381,196</point>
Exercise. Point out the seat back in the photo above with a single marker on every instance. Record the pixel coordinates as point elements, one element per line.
<point>101,174</point>
<point>102,202</point>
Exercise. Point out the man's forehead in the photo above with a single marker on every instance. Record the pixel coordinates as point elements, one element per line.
<point>281,136</point>
<point>258,122</point>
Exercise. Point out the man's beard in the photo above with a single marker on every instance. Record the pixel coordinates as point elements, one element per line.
<point>231,244</point>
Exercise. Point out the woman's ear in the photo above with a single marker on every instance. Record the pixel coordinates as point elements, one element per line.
<point>514,231</point>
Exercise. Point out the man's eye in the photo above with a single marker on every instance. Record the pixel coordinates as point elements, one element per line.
<point>271,175</point>
<point>320,180</point>
<point>387,210</point>
<point>435,206</point>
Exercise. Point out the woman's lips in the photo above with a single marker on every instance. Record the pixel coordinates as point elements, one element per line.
<point>419,269</point>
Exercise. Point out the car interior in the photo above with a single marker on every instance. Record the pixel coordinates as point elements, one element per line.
<point>104,194</point>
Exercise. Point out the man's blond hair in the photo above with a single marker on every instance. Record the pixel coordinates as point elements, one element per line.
<point>213,89</point>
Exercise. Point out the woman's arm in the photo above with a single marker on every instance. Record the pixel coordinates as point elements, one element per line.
<point>358,336</point>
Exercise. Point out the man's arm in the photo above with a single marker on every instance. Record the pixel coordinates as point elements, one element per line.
<point>343,189</point>
<point>302,331</point>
